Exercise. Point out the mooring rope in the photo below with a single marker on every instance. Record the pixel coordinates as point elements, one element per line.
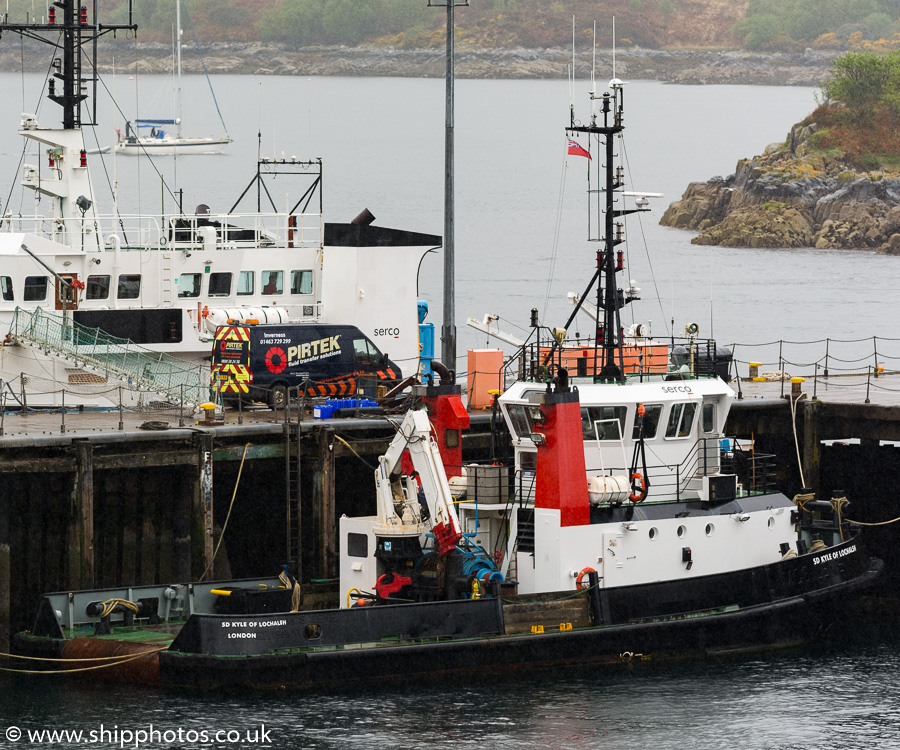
<point>227,515</point>
<point>350,448</point>
<point>118,660</point>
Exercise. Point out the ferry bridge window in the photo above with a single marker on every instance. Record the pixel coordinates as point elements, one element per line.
<point>652,413</point>
<point>245,283</point>
<point>219,284</point>
<point>273,282</point>
<point>301,282</point>
<point>708,415</point>
<point>680,420</point>
<point>189,285</point>
<point>7,287</point>
<point>599,422</point>
<point>35,288</point>
<point>97,287</point>
<point>129,286</point>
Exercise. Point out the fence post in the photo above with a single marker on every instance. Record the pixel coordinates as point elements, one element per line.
<point>121,423</point>
<point>815,381</point>
<point>2,409</point>
<point>781,366</point>
<point>22,388</point>
<point>62,425</point>
<point>827,342</point>
<point>868,381</point>
<point>875,350</point>
<point>181,408</point>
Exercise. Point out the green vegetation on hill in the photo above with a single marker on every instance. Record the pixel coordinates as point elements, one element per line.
<point>412,23</point>
<point>858,123</point>
<point>825,24</point>
<point>351,22</point>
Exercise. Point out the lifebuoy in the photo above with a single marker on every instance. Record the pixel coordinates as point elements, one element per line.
<point>638,487</point>
<point>582,582</point>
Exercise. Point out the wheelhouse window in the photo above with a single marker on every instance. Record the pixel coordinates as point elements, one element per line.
<point>524,417</point>
<point>603,422</point>
<point>35,288</point>
<point>245,283</point>
<point>97,287</point>
<point>681,418</point>
<point>652,413</point>
<point>219,284</point>
<point>273,282</point>
<point>519,419</point>
<point>6,286</point>
<point>189,285</point>
<point>708,416</point>
<point>129,286</point>
<point>301,282</point>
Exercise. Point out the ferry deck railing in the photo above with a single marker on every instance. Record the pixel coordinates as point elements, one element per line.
<point>127,232</point>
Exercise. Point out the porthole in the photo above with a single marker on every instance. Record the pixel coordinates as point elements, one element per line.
<point>771,522</point>
<point>710,529</point>
<point>682,530</point>
<point>313,631</point>
<point>654,534</point>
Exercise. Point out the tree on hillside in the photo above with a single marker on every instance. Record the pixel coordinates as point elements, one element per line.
<point>770,24</point>
<point>868,84</point>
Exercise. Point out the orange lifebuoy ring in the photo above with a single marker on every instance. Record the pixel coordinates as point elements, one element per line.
<point>638,487</point>
<point>581,582</point>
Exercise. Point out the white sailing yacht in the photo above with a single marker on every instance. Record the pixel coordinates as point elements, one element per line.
<point>152,136</point>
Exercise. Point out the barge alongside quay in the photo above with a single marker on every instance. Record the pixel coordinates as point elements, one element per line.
<point>628,527</point>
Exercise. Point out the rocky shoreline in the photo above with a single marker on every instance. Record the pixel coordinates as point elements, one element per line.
<point>780,200</point>
<point>671,66</point>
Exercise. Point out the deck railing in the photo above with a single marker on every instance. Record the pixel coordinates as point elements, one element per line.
<point>185,232</point>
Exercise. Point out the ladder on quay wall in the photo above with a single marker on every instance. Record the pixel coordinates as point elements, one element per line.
<point>112,357</point>
<point>292,454</point>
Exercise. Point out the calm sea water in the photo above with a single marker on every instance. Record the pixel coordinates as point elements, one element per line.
<point>382,145</point>
<point>795,700</point>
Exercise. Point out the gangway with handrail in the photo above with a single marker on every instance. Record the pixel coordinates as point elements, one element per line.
<point>111,356</point>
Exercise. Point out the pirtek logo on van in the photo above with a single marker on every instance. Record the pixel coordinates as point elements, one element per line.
<point>328,345</point>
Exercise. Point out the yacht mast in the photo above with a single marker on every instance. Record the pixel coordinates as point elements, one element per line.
<point>179,97</point>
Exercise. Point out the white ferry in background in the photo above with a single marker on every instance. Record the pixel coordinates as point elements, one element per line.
<point>163,283</point>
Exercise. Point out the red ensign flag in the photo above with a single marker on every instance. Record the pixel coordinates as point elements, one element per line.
<point>576,149</point>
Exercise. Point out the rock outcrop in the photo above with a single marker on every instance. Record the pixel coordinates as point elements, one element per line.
<point>786,198</point>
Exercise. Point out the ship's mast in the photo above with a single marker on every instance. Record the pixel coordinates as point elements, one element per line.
<point>603,128</point>
<point>76,30</point>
